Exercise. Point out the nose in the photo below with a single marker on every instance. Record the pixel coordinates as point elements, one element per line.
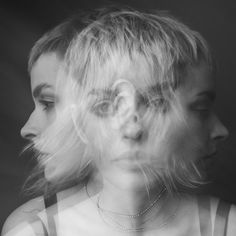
<point>220,132</point>
<point>133,131</point>
<point>30,130</point>
<point>132,119</point>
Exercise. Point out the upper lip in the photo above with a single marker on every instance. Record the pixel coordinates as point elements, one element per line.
<point>39,150</point>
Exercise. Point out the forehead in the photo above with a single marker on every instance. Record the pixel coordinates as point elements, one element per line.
<point>45,70</point>
<point>137,72</point>
<point>198,80</point>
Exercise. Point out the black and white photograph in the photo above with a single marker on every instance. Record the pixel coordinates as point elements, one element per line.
<point>118,118</point>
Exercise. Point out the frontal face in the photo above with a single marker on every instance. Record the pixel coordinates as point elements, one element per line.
<point>45,94</point>
<point>139,137</point>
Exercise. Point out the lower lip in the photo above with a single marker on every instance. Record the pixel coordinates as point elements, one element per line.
<point>128,163</point>
<point>209,160</point>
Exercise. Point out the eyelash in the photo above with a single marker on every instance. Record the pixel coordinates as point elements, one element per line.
<point>47,105</point>
<point>203,111</point>
<point>204,107</point>
<point>156,102</point>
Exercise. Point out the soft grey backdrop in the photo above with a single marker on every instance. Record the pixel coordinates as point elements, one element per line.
<point>23,22</point>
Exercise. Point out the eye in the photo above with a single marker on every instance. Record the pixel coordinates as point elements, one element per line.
<point>203,108</point>
<point>47,104</point>
<point>204,111</point>
<point>157,101</point>
<point>102,108</point>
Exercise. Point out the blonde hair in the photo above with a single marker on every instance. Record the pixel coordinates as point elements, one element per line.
<point>56,40</point>
<point>163,47</point>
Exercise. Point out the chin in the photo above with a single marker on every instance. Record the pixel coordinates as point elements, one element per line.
<point>128,178</point>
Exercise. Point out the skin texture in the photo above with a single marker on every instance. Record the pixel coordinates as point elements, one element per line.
<point>190,129</point>
<point>43,86</point>
<point>47,98</point>
<point>128,139</point>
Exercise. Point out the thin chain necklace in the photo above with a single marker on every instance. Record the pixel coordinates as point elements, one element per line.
<point>135,215</point>
<point>108,216</point>
<point>122,228</point>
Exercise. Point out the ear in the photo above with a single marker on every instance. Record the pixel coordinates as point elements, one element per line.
<point>125,99</point>
<point>125,105</point>
<point>127,118</point>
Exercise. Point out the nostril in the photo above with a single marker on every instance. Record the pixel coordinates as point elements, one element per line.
<point>222,135</point>
<point>29,136</point>
<point>136,118</point>
<point>139,135</point>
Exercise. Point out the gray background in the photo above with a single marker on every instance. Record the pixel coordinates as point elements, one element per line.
<point>23,22</point>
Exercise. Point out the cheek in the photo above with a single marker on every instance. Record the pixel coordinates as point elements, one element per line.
<point>98,133</point>
<point>199,128</point>
<point>190,140</point>
<point>185,140</point>
<point>50,117</point>
<point>42,120</point>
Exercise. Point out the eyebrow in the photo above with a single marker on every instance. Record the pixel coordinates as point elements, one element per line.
<point>157,88</point>
<point>37,91</point>
<point>101,92</point>
<point>210,94</point>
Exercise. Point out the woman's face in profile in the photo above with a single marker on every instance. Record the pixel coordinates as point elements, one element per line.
<point>189,130</point>
<point>45,96</point>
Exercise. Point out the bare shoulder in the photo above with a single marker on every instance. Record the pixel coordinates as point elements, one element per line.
<point>33,228</point>
<point>71,197</point>
<point>27,214</point>
<point>232,221</point>
<point>23,214</point>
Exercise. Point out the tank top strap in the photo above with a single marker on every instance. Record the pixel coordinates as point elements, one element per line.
<point>50,200</point>
<point>221,219</point>
<point>51,211</point>
<point>204,209</point>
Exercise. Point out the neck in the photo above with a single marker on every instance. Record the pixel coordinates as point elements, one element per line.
<point>130,202</point>
<point>132,210</point>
